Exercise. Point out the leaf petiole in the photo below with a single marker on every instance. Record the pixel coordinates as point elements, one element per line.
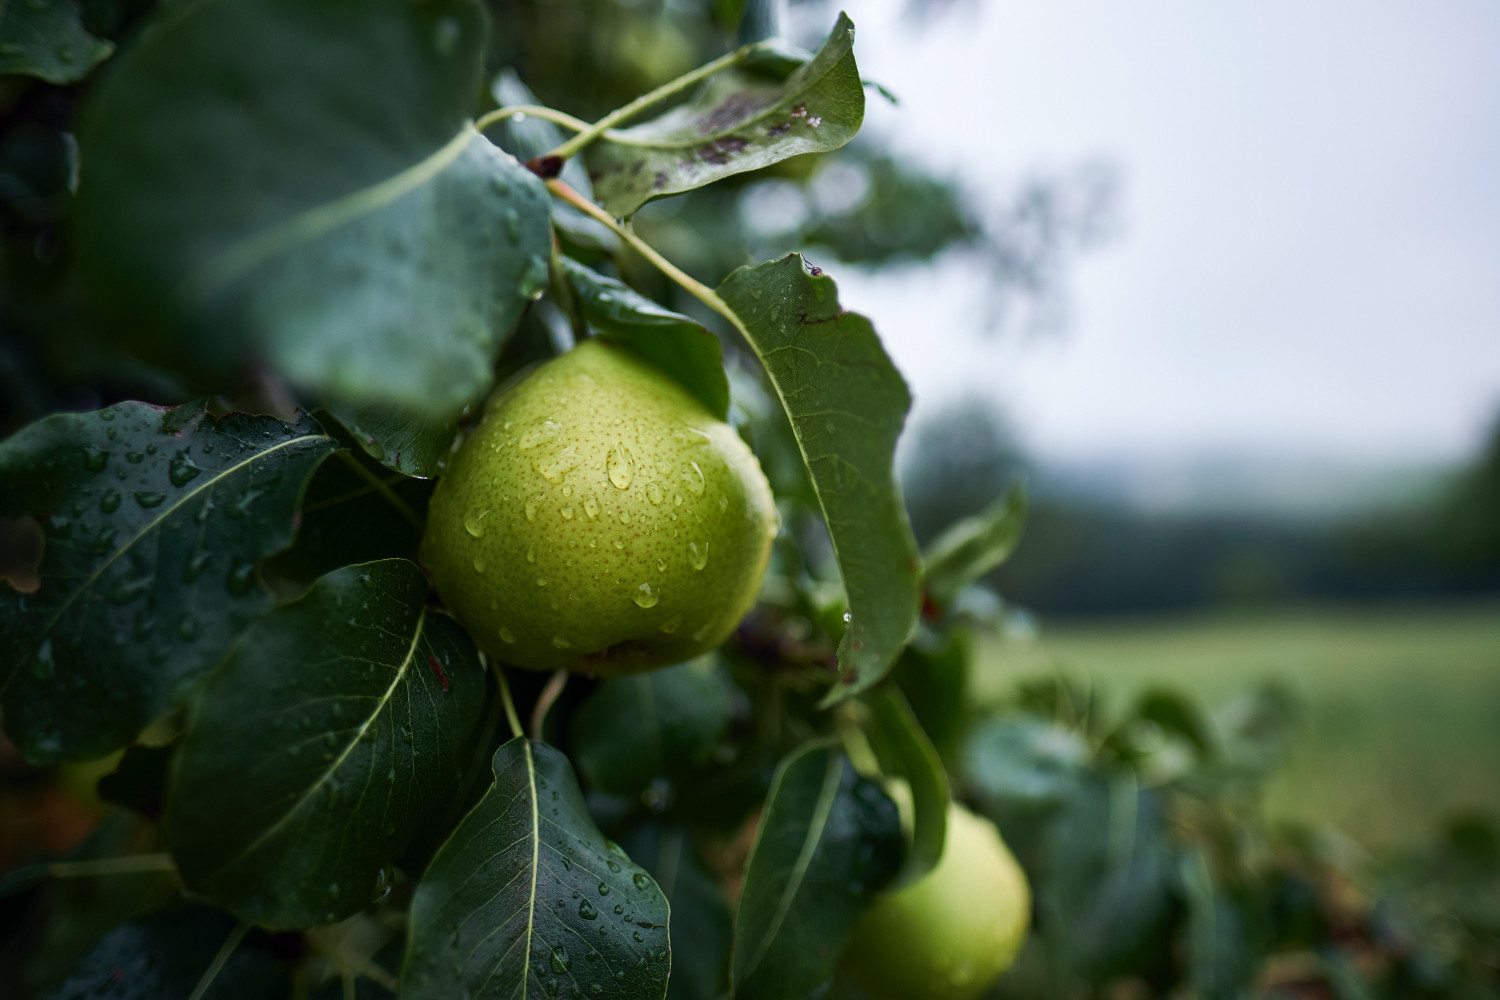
<point>532,111</point>
<point>510,705</point>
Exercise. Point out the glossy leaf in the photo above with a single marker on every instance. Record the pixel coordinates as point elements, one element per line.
<point>47,40</point>
<point>933,673</point>
<point>677,345</point>
<point>336,724</point>
<point>906,752</point>
<point>529,898</point>
<point>972,547</point>
<point>829,840</point>
<point>155,520</point>
<point>167,954</point>
<point>700,924</point>
<point>401,438</point>
<point>355,230</point>
<point>1023,763</point>
<point>660,724</point>
<point>738,121</point>
<point>847,404</point>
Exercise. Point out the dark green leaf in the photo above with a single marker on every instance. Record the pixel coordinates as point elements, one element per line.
<point>401,438</point>
<point>906,752</point>
<point>700,925</point>
<point>155,520</point>
<point>355,230</point>
<point>47,40</point>
<point>528,896</point>
<point>1021,763</point>
<point>739,121</point>
<point>355,510</point>
<point>677,345</point>
<point>661,724</point>
<point>828,841</point>
<point>847,404</point>
<point>1178,714</point>
<point>335,726</point>
<point>974,546</point>
<point>933,673</point>
<point>1222,958</point>
<point>166,955</point>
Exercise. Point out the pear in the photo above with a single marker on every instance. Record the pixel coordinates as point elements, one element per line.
<point>599,519</point>
<point>951,934</point>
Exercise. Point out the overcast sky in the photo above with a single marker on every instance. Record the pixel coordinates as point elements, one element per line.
<point>1309,256</point>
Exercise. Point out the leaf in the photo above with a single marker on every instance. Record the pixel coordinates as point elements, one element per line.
<point>528,896</point>
<point>828,841</point>
<point>354,510</point>
<point>47,40</point>
<point>664,723</point>
<point>700,925</point>
<point>155,520</point>
<point>1221,953</point>
<point>1021,763</point>
<point>335,726</point>
<point>673,343</point>
<point>933,673</point>
<point>166,955</point>
<point>400,438</point>
<point>847,404</point>
<point>355,230</point>
<point>738,121</point>
<point>905,752</point>
<point>973,546</point>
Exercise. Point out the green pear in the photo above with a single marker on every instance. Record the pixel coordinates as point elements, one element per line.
<point>951,934</point>
<point>599,519</point>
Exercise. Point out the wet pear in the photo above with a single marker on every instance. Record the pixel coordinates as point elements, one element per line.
<point>599,519</point>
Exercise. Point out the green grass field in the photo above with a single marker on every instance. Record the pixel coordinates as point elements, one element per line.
<point>1401,706</point>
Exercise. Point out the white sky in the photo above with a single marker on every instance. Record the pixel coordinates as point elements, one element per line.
<point>1309,262</point>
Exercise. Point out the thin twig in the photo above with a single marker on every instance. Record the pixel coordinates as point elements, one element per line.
<point>532,111</point>
<point>401,506</point>
<point>544,701</point>
<point>125,865</point>
<point>510,706</point>
<point>216,966</point>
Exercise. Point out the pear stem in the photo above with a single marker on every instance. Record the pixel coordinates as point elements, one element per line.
<point>510,705</point>
<point>545,700</point>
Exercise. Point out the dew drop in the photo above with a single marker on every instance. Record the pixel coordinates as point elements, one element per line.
<point>187,628</point>
<point>110,501</point>
<point>603,888</point>
<point>637,935</point>
<point>544,431</point>
<point>541,581</point>
<point>591,507</point>
<point>474,521</point>
<point>195,564</point>
<point>560,961</point>
<point>641,880</point>
<point>621,468</point>
<point>677,499</point>
<point>698,555</point>
<point>567,513</point>
<point>654,493</point>
<point>619,544</point>
<point>531,553</point>
<point>479,564</point>
<point>587,910</point>
<point>646,596</point>
<point>661,565</point>
<point>561,642</point>
<point>531,506</point>
<point>671,624</point>
<point>43,665</point>
<point>94,459</point>
<point>149,500</point>
<point>565,462</point>
<point>692,478</point>
<point>506,635</point>
<point>702,633</point>
<point>238,580</point>
<point>723,504</point>
<point>182,471</point>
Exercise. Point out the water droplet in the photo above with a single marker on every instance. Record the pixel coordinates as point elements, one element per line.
<point>512,225</point>
<point>619,544</point>
<point>238,580</point>
<point>110,501</point>
<point>149,500</point>
<point>541,581</point>
<point>506,635</point>
<point>187,628</point>
<point>544,431</point>
<point>603,888</point>
<point>43,665</point>
<point>195,564</point>
<point>531,553</point>
<point>124,590</point>
<point>848,618</point>
<point>692,478</point>
<point>587,910</point>
<point>474,521</point>
<point>531,507</point>
<point>702,633</point>
<point>671,624</point>
<point>134,457</point>
<point>591,507</point>
<point>94,459</point>
<point>724,505</point>
<point>182,471</point>
<point>621,466</point>
<point>654,493</point>
<point>479,564</point>
<point>201,514</point>
<point>567,513</point>
<point>561,642</point>
<point>560,961</point>
<point>637,935</point>
<point>677,499</point>
<point>661,565</point>
<point>646,596</point>
<point>641,880</point>
<point>698,555</point>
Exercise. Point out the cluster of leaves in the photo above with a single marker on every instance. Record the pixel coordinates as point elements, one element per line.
<point>319,785</point>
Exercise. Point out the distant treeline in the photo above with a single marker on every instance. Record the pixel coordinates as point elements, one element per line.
<point>1086,557</point>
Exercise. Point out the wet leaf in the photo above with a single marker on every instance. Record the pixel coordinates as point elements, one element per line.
<point>528,893</point>
<point>740,120</point>
<point>847,404</point>
<point>47,40</point>
<point>399,437</point>
<point>700,924</point>
<point>828,841</point>
<point>355,230</point>
<point>973,546</point>
<point>677,345</point>
<point>155,520</point>
<point>166,955</point>
<point>660,724</point>
<point>337,724</point>
<point>906,752</point>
